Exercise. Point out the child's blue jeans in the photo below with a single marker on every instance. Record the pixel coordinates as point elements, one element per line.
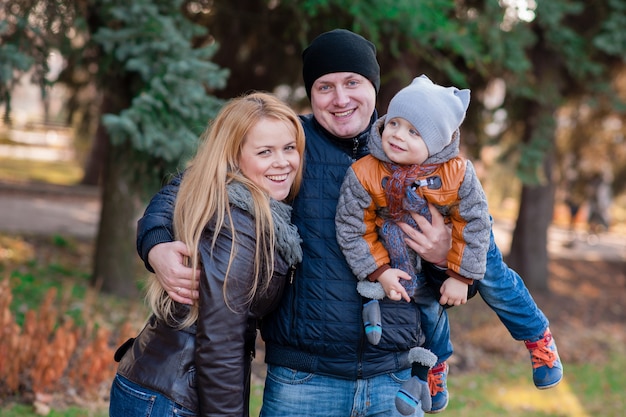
<point>504,291</point>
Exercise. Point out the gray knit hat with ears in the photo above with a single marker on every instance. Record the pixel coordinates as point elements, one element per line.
<point>435,111</point>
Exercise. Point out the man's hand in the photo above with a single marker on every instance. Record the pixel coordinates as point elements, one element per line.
<point>167,260</point>
<point>453,292</point>
<point>434,241</point>
<point>390,280</point>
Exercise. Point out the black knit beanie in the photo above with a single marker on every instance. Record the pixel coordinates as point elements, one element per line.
<point>339,51</point>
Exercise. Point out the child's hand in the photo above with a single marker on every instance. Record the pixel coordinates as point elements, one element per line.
<point>390,280</point>
<point>453,292</point>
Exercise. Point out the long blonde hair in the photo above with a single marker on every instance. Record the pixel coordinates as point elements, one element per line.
<point>203,196</point>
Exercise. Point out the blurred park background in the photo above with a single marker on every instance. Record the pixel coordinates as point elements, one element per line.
<point>103,100</point>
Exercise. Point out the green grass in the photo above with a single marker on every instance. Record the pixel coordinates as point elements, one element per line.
<point>586,390</point>
<point>21,410</point>
<point>256,399</point>
<point>52,262</point>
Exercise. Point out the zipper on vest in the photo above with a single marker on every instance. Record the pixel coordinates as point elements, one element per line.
<point>355,148</point>
<point>361,349</point>
<point>292,273</point>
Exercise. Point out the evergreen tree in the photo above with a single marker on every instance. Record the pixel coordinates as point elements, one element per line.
<point>155,98</point>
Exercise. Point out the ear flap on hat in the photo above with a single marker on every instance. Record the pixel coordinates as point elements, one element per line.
<point>464,96</point>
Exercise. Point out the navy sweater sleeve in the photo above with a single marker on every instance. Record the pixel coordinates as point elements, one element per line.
<point>156,225</point>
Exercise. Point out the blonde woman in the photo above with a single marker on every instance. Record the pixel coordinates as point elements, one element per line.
<point>230,211</point>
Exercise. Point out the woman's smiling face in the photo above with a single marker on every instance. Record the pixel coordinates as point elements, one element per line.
<point>269,157</point>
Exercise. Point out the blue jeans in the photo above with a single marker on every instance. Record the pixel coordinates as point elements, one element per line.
<point>504,291</point>
<point>293,393</point>
<point>132,400</point>
<point>435,324</point>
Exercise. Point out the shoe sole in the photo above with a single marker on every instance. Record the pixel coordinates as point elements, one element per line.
<point>542,387</point>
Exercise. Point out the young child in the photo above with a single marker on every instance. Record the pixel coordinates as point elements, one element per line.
<point>414,161</point>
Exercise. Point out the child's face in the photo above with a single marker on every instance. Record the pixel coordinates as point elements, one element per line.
<point>402,143</point>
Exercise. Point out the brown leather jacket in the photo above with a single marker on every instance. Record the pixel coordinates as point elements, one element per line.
<point>206,367</point>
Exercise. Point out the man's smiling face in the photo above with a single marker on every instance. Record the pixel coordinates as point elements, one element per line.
<point>343,103</point>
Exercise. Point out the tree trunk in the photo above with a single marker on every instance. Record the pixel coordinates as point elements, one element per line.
<point>115,258</point>
<point>115,262</point>
<point>529,245</point>
<point>94,165</point>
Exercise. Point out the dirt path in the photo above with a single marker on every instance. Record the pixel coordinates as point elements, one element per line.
<point>49,209</point>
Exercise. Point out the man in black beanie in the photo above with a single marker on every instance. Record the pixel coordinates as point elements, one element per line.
<point>319,361</point>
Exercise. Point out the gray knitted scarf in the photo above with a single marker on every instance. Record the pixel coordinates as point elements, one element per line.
<point>287,238</point>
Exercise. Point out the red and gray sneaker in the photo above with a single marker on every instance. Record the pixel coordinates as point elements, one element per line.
<point>437,376</point>
<point>547,367</point>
